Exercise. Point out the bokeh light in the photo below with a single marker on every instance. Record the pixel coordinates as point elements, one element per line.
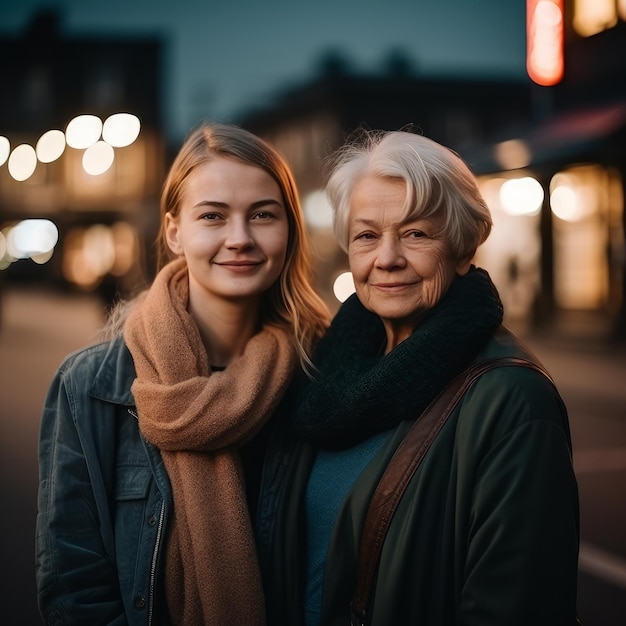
<point>513,154</point>
<point>317,211</point>
<point>590,18</point>
<point>343,287</point>
<point>5,149</point>
<point>121,129</point>
<point>31,237</point>
<point>83,131</point>
<point>521,196</point>
<point>570,199</point>
<point>22,162</point>
<point>50,146</point>
<point>90,253</point>
<point>98,158</point>
<point>42,257</point>
<point>564,203</point>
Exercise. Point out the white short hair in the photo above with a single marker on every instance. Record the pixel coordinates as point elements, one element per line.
<point>439,183</point>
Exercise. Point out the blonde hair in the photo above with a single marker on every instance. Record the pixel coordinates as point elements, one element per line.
<point>291,301</point>
<point>438,182</point>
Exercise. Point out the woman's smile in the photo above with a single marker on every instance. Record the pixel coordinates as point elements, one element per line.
<point>394,286</point>
<point>240,266</point>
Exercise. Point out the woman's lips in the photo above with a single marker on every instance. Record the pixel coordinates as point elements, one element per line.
<point>240,266</point>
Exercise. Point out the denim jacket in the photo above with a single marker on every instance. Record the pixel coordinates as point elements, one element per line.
<point>104,497</point>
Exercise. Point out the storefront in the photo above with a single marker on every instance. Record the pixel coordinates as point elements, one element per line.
<point>557,196</point>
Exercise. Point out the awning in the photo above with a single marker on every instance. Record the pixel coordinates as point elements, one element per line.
<point>565,137</point>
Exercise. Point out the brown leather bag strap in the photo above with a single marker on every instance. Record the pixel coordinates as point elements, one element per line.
<point>400,470</point>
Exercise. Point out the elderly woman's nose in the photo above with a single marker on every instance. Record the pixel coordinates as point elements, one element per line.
<point>390,253</point>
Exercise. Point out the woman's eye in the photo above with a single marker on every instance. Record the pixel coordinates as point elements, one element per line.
<point>210,216</point>
<point>416,234</point>
<point>366,236</point>
<point>262,215</point>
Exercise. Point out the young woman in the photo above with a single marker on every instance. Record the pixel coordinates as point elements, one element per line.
<point>147,445</point>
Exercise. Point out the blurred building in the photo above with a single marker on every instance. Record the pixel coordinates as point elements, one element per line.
<point>308,122</point>
<point>566,264</point>
<point>103,216</point>
<point>551,162</point>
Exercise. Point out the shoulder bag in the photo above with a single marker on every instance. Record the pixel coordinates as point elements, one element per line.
<point>401,469</point>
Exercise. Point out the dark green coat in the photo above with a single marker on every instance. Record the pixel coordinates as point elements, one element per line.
<point>486,534</point>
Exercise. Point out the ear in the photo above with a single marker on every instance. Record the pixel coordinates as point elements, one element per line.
<point>172,234</point>
<point>463,266</point>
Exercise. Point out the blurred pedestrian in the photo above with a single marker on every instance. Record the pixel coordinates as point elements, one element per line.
<point>150,442</point>
<point>486,531</point>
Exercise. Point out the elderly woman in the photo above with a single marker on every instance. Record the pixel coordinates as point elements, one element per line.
<point>487,530</point>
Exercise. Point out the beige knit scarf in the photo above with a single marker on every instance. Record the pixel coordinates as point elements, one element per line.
<point>198,419</point>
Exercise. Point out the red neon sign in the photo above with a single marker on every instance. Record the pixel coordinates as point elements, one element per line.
<point>545,30</point>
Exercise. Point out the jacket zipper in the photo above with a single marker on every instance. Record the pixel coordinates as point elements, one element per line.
<point>153,566</point>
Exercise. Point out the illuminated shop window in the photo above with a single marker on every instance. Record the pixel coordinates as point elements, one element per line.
<point>593,16</point>
<point>512,253</point>
<point>92,252</point>
<point>580,219</point>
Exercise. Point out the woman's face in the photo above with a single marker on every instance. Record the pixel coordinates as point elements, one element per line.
<point>232,229</point>
<point>401,268</point>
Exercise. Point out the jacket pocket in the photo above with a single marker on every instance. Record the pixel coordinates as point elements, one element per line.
<point>132,482</point>
<point>132,489</point>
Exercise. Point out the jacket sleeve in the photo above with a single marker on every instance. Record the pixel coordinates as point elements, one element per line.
<point>523,522</point>
<point>76,577</point>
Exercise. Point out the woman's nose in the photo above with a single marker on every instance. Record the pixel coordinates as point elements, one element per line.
<point>390,253</point>
<point>239,235</point>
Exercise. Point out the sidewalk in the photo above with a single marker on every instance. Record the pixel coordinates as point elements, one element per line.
<point>38,328</point>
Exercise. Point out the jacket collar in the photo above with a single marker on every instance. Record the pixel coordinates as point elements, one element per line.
<point>115,375</point>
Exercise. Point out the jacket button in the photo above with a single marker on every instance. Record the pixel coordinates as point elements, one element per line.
<point>152,521</point>
<point>140,602</point>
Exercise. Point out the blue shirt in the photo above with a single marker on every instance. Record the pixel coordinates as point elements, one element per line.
<point>332,476</point>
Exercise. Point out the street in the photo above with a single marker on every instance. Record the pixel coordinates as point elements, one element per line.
<point>592,382</point>
<point>38,327</point>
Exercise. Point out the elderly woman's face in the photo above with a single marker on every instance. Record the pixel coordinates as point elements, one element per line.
<point>401,268</point>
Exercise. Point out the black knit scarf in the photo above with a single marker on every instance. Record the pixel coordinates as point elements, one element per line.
<point>358,393</point>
